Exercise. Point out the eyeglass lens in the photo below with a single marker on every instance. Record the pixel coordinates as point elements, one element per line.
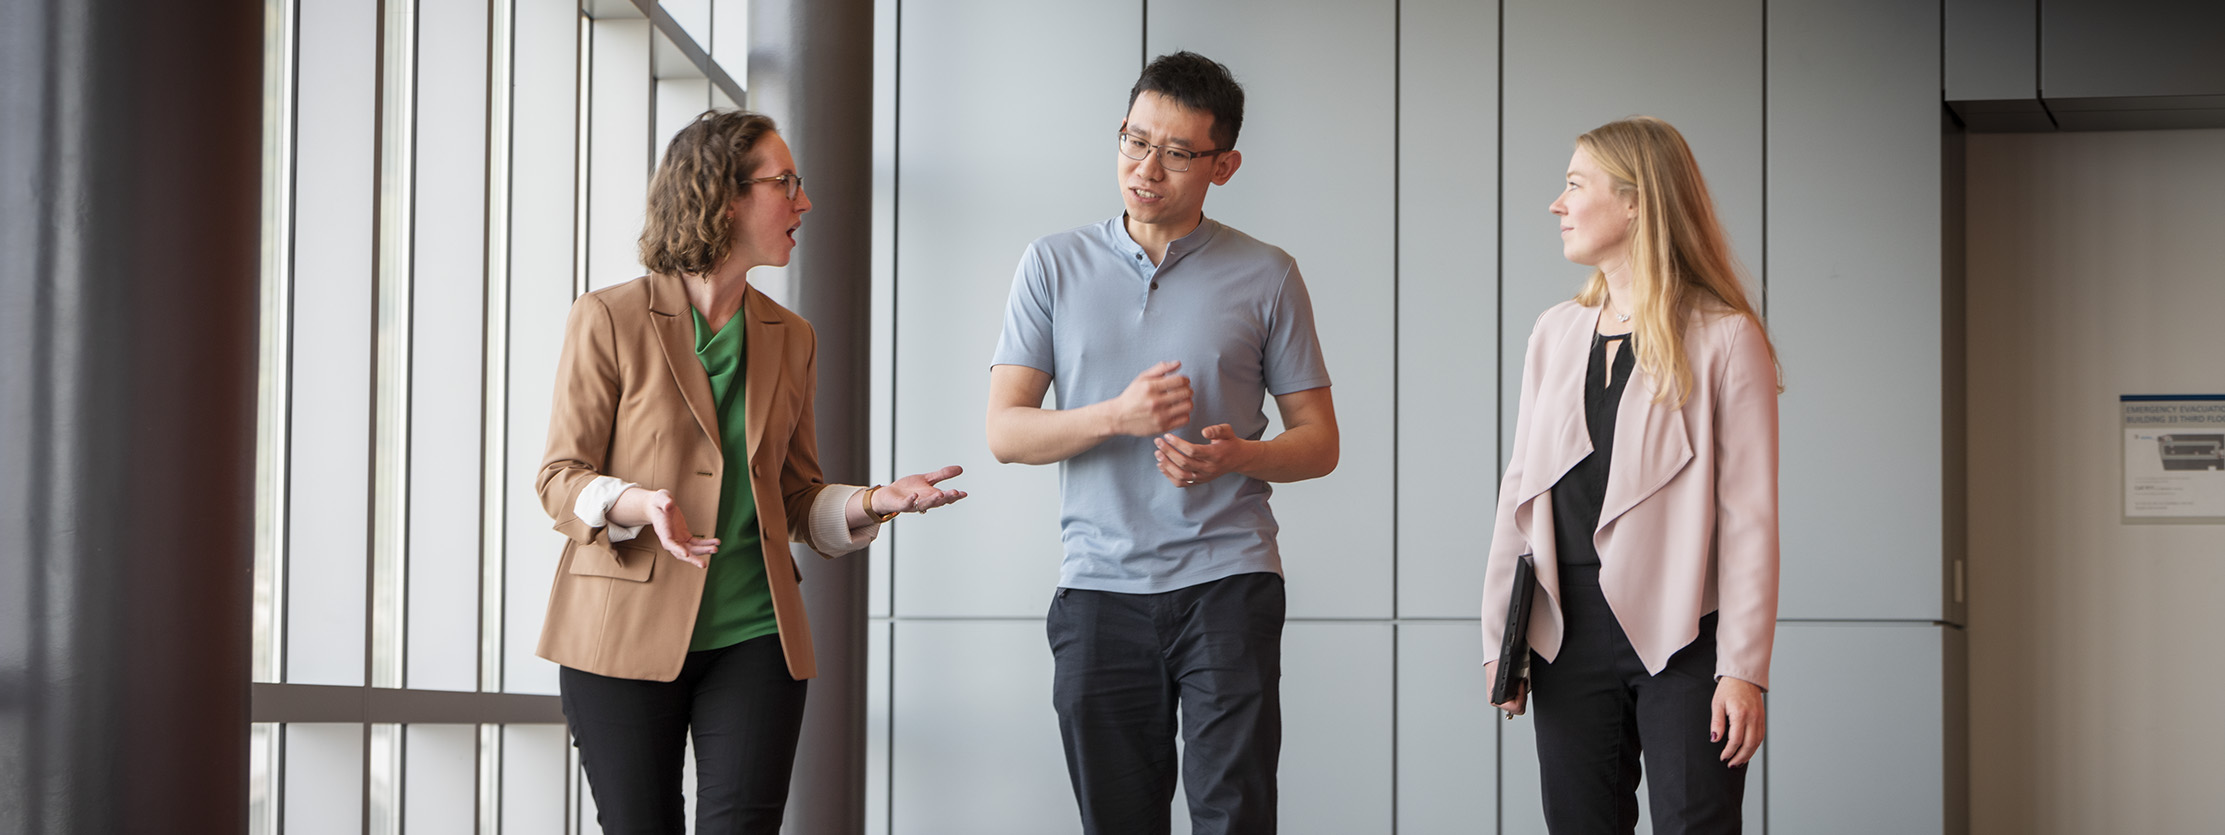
<point>1174,159</point>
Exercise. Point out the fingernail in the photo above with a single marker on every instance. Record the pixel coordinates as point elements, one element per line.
<point>1714,737</point>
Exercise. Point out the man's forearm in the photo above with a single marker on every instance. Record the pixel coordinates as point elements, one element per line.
<point>1032,435</point>
<point>1299,453</point>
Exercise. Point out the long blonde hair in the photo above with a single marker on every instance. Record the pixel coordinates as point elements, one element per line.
<point>1679,259</point>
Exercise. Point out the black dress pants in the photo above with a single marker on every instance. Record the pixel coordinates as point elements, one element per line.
<point>746,713</point>
<point>1124,662</point>
<point>1597,711</point>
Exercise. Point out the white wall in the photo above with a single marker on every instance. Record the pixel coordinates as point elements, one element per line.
<point>2093,272</point>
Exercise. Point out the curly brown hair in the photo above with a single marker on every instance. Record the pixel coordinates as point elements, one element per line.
<point>686,230</point>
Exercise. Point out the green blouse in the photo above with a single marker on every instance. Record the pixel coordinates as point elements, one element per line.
<point>737,604</point>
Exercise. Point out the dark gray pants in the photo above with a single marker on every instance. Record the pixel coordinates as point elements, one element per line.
<point>1124,662</point>
<point>745,712</point>
<point>1598,711</point>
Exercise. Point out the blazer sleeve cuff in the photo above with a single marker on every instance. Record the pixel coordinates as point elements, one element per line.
<point>831,533</point>
<point>1760,680</point>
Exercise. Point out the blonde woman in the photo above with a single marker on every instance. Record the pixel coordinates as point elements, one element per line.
<point>1643,484</point>
<point>681,462</point>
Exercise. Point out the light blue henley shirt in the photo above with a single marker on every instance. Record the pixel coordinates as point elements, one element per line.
<point>1089,308</point>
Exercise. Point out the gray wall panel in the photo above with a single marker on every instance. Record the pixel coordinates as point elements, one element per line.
<point>1573,66</point>
<point>880,593</point>
<point>1991,49</point>
<point>1317,181</point>
<point>879,706</point>
<point>2104,48</point>
<point>1448,733</point>
<point>974,741</point>
<point>1855,306</point>
<point>1336,753</point>
<point>990,157</point>
<point>1857,729</point>
<point>1448,300</point>
<point>1521,803</point>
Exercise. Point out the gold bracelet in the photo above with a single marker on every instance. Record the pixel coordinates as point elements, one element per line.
<point>869,514</point>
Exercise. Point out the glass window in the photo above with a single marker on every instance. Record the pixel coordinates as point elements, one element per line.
<point>421,253</point>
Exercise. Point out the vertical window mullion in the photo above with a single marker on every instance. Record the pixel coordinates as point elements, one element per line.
<point>490,780</point>
<point>276,382</point>
<point>583,142</point>
<point>386,750</point>
<point>495,414</point>
<point>266,745</point>
<point>391,336</point>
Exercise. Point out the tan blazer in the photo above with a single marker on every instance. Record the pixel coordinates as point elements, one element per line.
<point>632,401</point>
<point>1689,524</point>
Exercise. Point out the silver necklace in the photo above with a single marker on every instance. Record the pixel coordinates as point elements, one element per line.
<point>1619,317</point>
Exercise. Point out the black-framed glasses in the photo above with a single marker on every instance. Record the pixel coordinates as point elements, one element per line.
<point>794,182</point>
<point>1172,158</point>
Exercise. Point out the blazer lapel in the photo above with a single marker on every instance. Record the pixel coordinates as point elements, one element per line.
<point>1651,447</point>
<point>1559,437</point>
<point>767,339</point>
<point>676,335</point>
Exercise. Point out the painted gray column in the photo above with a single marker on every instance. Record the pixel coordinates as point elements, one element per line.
<point>129,153</point>
<point>811,68</point>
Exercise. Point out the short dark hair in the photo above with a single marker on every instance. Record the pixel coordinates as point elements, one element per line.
<point>1199,83</point>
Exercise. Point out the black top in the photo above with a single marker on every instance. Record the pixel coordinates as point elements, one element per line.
<point>1578,496</point>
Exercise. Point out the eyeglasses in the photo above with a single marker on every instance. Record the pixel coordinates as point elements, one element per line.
<point>794,181</point>
<point>1174,159</point>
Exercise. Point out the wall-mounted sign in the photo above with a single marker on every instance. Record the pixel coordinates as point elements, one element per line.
<point>2174,458</point>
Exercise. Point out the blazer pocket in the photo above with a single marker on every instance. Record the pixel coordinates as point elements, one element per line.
<point>627,561</point>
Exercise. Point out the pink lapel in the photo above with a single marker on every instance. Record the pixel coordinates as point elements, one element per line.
<point>1651,447</point>
<point>1651,441</point>
<point>1558,438</point>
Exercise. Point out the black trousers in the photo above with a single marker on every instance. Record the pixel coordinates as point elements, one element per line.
<point>1124,662</point>
<point>1597,711</point>
<point>746,713</point>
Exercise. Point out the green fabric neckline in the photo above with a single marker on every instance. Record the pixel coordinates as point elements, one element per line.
<point>737,603</point>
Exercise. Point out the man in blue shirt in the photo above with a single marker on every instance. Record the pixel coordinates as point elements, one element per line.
<point>1165,331</point>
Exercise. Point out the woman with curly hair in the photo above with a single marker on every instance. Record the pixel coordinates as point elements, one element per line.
<point>684,397</point>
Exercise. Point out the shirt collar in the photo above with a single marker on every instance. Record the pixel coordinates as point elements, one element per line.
<point>1117,230</point>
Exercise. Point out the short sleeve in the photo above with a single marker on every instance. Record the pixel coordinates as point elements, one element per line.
<point>1293,356</point>
<point>1026,339</point>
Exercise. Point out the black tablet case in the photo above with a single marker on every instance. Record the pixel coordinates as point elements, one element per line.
<point>1514,646</point>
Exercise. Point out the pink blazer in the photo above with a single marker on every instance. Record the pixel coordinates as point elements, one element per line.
<point>1689,524</point>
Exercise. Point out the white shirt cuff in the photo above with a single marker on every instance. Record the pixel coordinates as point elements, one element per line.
<point>594,504</point>
<point>830,521</point>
